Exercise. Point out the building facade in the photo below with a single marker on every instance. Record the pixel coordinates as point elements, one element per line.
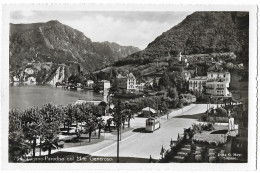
<point>215,84</point>
<point>216,88</point>
<point>131,82</point>
<point>219,76</point>
<point>218,83</point>
<point>197,84</point>
<point>126,82</point>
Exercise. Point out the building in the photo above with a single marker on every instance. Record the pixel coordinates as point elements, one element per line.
<point>218,83</point>
<point>126,82</point>
<point>187,75</point>
<point>140,84</point>
<point>217,88</point>
<point>197,84</point>
<point>90,83</point>
<point>219,76</point>
<point>131,82</point>
<point>121,81</point>
<point>180,57</point>
<point>29,71</point>
<point>31,80</point>
<point>215,84</point>
<point>104,85</point>
<point>147,112</point>
<point>16,79</point>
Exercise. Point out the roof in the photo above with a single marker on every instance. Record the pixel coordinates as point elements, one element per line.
<point>149,109</point>
<point>120,76</point>
<point>131,75</point>
<point>226,72</point>
<point>105,81</point>
<point>199,78</point>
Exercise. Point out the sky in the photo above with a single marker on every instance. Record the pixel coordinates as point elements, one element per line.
<point>135,28</point>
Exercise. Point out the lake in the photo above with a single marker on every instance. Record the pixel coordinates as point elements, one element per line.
<point>28,96</point>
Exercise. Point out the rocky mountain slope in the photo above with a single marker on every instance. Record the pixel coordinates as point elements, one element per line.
<point>107,49</point>
<point>55,43</point>
<point>202,32</point>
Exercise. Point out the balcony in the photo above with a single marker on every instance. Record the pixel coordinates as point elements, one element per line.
<point>216,80</point>
<point>220,88</point>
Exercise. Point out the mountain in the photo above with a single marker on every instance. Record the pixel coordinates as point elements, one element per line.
<point>115,50</point>
<point>58,43</point>
<point>202,33</point>
<point>54,44</point>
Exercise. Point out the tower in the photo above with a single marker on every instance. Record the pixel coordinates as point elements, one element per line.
<point>180,56</point>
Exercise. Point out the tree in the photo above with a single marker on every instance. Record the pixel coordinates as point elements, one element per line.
<point>67,112</point>
<point>221,111</point>
<point>155,84</point>
<point>164,81</point>
<point>52,121</point>
<point>172,93</point>
<point>101,124</point>
<point>32,125</point>
<point>84,112</point>
<point>18,147</point>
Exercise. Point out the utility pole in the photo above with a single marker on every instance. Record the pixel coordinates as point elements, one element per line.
<point>207,109</point>
<point>118,123</point>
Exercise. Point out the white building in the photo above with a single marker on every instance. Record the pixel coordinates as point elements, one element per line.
<point>216,88</point>
<point>31,81</point>
<point>126,82</point>
<point>16,79</point>
<point>107,84</point>
<point>90,83</point>
<point>29,71</point>
<point>218,83</point>
<point>198,83</point>
<point>219,76</point>
<point>131,82</point>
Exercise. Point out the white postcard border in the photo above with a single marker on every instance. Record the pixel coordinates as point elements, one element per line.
<point>251,165</point>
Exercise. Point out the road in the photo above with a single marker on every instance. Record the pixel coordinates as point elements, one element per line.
<point>142,145</point>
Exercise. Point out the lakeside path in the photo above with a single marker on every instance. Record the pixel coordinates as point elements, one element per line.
<point>142,145</point>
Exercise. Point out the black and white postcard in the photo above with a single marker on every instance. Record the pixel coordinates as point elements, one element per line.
<point>160,86</point>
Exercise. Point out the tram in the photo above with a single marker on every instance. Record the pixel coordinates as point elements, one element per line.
<point>152,124</point>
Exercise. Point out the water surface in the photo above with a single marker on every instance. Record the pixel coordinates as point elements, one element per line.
<point>28,96</point>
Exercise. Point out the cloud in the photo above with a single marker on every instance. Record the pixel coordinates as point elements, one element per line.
<point>136,28</point>
<point>20,15</point>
